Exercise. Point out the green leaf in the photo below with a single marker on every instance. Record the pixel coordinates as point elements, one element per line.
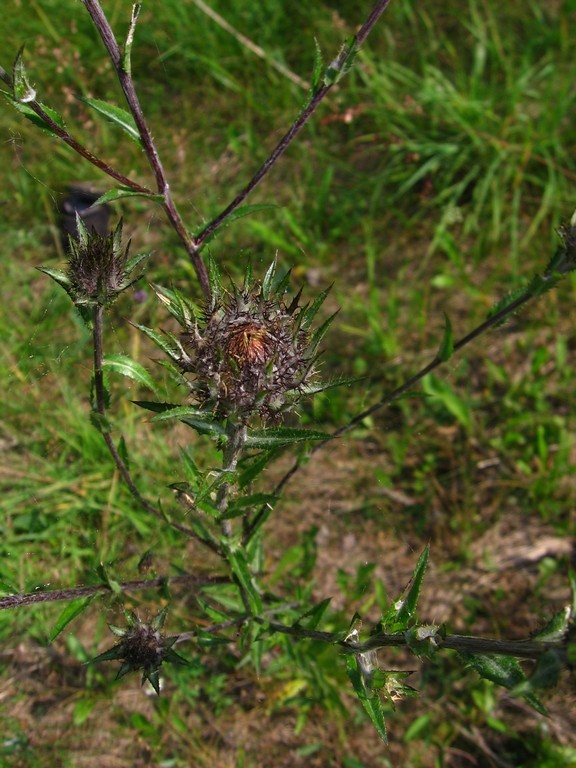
<point>546,674</point>
<point>447,345</point>
<point>160,341</point>
<point>135,261</point>
<point>215,280</point>
<point>73,609</point>
<point>59,276</point>
<point>317,69</point>
<point>115,115</point>
<point>555,630</point>
<point>239,213</point>
<point>313,616</point>
<point>126,56</point>
<point>121,193</point>
<point>342,63</point>
<point>113,585</point>
<point>310,312</point>
<point>127,367</point>
<point>151,405</point>
<point>407,610</point>
<point>240,569</point>
<point>179,306</point>
<point>320,332</point>
<point>268,281</point>
<point>23,91</point>
<point>193,417</point>
<point>270,438</point>
<point>449,399</point>
<point>31,115</point>
<point>504,671</point>
<point>370,700</point>
<point>239,506</point>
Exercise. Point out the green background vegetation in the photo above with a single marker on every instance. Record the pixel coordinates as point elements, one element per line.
<point>432,180</point>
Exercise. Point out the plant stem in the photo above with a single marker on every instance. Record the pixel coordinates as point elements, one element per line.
<point>316,97</point>
<point>74,593</point>
<point>126,82</point>
<point>525,649</point>
<point>63,134</point>
<point>261,516</point>
<point>100,407</point>
<point>236,439</point>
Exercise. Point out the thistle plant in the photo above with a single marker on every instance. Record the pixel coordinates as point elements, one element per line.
<point>245,355</point>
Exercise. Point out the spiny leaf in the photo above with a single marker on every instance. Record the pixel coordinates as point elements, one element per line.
<point>269,438</point>
<point>504,671</point>
<point>408,608</point>
<point>59,276</point>
<point>31,115</point>
<point>121,193</point>
<point>241,571</point>
<point>130,368</point>
<point>268,281</point>
<point>23,91</point>
<point>115,115</point>
<point>370,700</point>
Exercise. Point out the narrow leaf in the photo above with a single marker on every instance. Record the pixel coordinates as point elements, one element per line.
<point>23,91</point>
<point>268,281</point>
<point>269,438</point>
<point>126,60</point>
<point>313,616</point>
<point>317,69</point>
<point>239,213</point>
<point>130,368</point>
<point>123,192</point>
<point>447,345</point>
<point>408,608</point>
<point>72,611</point>
<point>59,276</point>
<point>115,115</point>
<point>240,569</point>
<point>370,700</point>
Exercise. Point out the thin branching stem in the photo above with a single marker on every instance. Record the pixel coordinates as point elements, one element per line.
<point>74,593</point>
<point>261,516</point>
<point>525,649</point>
<point>79,148</point>
<point>127,83</point>
<point>315,99</point>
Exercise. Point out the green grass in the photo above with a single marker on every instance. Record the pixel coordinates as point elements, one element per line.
<point>431,181</point>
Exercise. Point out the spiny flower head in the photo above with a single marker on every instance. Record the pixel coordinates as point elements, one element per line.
<point>142,647</point>
<point>249,351</point>
<point>97,265</point>
<point>98,268</point>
